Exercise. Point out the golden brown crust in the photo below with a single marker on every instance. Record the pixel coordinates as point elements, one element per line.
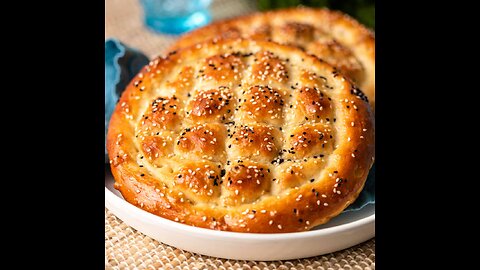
<point>331,35</point>
<point>234,168</point>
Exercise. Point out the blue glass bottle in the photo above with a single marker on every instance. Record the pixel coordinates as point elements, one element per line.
<point>175,16</point>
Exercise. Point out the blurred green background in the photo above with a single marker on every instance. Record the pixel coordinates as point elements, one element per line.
<point>362,10</point>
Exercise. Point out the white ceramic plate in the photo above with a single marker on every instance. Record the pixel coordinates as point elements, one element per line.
<point>343,231</point>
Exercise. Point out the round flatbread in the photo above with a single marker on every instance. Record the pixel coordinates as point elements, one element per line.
<point>241,135</point>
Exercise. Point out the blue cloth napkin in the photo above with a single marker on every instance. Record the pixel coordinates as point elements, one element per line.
<point>367,196</point>
<point>123,63</point>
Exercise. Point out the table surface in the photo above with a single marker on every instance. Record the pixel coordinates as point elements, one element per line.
<point>125,247</point>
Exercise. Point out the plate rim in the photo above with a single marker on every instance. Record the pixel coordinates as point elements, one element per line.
<point>111,199</point>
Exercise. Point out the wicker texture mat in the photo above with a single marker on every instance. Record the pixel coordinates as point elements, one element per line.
<point>123,20</point>
<point>125,248</point>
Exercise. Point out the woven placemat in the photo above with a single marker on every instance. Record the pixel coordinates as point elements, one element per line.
<point>123,20</point>
<point>126,248</point>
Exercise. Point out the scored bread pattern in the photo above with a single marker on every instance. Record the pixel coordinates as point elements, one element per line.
<point>331,35</point>
<point>248,114</point>
<point>220,130</point>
